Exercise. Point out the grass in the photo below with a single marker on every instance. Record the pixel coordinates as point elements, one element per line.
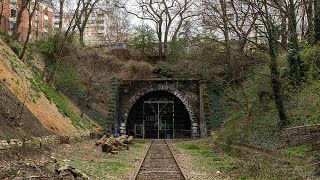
<point>204,154</point>
<point>90,160</point>
<point>99,169</point>
<point>238,164</point>
<point>138,144</point>
<point>53,96</point>
<point>12,59</point>
<point>301,150</point>
<point>304,106</point>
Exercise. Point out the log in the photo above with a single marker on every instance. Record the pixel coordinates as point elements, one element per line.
<point>100,141</point>
<point>113,145</point>
<point>128,140</point>
<point>106,148</point>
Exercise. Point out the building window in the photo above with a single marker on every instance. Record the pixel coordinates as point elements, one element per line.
<point>14,2</point>
<point>13,13</point>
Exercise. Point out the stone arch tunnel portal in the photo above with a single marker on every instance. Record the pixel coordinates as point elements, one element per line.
<point>159,114</point>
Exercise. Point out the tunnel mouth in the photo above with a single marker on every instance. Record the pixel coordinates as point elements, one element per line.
<point>159,115</point>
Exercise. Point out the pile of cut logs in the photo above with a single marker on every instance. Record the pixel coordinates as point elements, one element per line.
<point>113,145</point>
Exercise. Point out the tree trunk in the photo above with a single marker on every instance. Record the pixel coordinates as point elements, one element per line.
<point>1,11</point>
<point>159,34</point>
<point>317,21</point>
<point>29,27</point>
<point>81,33</point>
<point>61,14</point>
<point>25,45</point>
<point>15,33</point>
<point>165,42</point>
<point>284,34</point>
<point>231,69</point>
<point>294,60</point>
<point>309,10</point>
<point>275,82</point>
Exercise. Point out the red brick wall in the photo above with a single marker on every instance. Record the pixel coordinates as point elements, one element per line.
<point>6,14</point>
<point>23,28</point>
<point>50,22</point>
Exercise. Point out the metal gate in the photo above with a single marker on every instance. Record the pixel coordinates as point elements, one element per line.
<point>158,119</point>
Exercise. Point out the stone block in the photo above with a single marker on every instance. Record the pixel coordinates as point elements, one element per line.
<point>4,145</point>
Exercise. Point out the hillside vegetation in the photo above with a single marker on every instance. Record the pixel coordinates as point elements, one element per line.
<point>33,108</point>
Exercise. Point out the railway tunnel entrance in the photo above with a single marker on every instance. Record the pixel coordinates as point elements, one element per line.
<point>160,115</point>
<point>164,108</point>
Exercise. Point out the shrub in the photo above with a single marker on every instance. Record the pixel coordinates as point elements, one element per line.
<point>311,57</point>
<point>136,70</point>
<point>163,69</point>
<point>143,40</point>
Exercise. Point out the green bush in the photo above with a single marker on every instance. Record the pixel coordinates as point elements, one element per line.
<point>143,40</point>
<point>68,79</point>
<point>163,68</point>
<point>304,106</point>
<point>311,57</point>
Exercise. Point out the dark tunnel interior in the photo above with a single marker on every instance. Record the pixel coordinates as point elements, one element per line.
<point>159,114</point>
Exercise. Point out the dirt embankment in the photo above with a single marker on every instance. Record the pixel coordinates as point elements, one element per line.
<point>41,117</point>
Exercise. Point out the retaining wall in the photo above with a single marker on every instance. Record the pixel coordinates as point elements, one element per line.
<point>37,142</point>
<point>308,135</point>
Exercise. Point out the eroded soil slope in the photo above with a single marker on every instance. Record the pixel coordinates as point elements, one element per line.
<point>15,75</point>
<point>17,121</point>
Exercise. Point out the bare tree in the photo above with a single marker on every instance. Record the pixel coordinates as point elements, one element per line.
<point>61,14</point>
<point>31,10</point>
<point>87,7</point>
<point>1,10</point>
<point>243,23</point>
<point>309,11</point>
<point>118,22</point>
<point>232,20</point>
<point>167,16</point>
<point>269,21</point>
<point>294,60</point>
<point>22,7</point>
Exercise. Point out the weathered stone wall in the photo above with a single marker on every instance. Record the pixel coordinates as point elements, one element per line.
<point>112,114</point>
<point>186,90</point>
<point>308,135</point>
<point>37,142</point>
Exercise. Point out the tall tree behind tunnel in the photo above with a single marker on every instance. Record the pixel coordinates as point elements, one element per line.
<point>266,24</point>
<point>294,60</point>
<point>166,16</point>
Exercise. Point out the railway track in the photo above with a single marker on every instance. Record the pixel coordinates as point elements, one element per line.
<point>159,163</point>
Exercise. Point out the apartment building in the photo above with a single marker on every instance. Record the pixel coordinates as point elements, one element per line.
<point>41,21</point>
<point>103,26</point>
<point>96,29</point>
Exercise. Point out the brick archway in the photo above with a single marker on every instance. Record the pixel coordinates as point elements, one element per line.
<point>158,87</point>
